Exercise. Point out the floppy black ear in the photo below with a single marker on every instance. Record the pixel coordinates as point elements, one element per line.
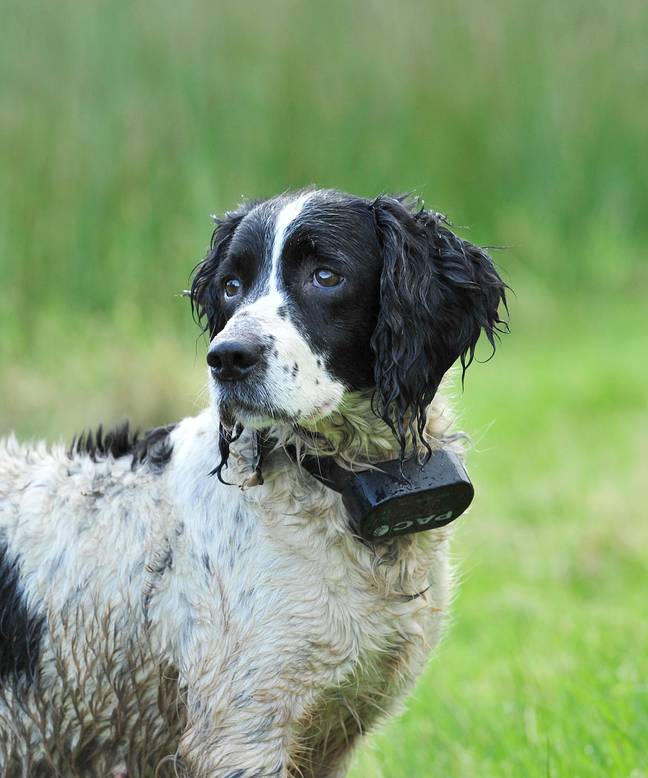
<point>438,293</point>
<point>204,295</point>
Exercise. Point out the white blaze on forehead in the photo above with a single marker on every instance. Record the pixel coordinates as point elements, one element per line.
<point>285,217</point>
<point>295,380</point>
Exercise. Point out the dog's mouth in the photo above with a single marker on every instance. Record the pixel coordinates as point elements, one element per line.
<point>244,407</point>
<point>254,409</point>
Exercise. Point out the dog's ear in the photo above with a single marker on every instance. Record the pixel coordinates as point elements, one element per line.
<point>438,293</point>
<point>204,295</point>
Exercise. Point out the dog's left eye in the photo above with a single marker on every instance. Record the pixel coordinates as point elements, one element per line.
<point>232,287</point>
<point>326,278</point>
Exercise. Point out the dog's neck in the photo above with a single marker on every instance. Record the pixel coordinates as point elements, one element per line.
<point>354,435</point>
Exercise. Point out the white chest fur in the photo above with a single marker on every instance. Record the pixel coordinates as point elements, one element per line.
<point>276,610</point>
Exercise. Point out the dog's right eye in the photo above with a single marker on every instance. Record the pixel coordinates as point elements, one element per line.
<point>232,287</point>
<point>325,278</point>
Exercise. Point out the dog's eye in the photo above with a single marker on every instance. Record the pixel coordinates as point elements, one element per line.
<point>326,278</point>
<point>232,287</point>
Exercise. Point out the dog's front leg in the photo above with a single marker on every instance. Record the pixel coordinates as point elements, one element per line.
<point>234,749</point>
<point>238,725</point>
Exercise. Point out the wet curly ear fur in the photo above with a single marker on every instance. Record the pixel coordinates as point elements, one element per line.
<point>438,293</point>
<point>204,295</point>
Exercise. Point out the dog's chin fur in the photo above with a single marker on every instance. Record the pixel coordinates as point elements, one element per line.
<point>236,409</point>
<point>233,416</point>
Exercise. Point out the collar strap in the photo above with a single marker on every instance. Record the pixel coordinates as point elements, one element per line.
<point>396,498</point>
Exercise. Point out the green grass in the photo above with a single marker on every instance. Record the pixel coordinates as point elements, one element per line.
<point>124,124</point>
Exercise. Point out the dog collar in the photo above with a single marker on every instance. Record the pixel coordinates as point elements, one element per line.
<point>391,500</point>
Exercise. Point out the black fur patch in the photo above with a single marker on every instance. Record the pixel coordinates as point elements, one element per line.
<point>20,631</point>
<point>152,448</point>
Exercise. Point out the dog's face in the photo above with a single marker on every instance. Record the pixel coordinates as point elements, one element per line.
<point>311,295</point>
<point>293,303</point>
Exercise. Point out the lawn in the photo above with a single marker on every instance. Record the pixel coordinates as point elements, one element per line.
<point>123,125</point>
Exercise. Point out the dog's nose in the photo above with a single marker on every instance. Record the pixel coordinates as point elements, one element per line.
<point>231,360</point>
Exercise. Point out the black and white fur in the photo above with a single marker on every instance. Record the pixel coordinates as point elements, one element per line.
<point>154,616</point>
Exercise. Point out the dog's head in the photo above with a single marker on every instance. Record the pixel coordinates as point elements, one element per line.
<point>311,295</point>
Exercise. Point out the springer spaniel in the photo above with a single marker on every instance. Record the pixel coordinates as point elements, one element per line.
<point>194,602</point>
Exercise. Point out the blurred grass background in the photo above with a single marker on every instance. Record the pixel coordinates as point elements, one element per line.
<point>123,125</point>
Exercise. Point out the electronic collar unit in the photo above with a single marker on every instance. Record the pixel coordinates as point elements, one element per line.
<point>388,501</point>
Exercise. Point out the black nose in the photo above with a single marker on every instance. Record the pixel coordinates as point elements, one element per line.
<point>231,360</point>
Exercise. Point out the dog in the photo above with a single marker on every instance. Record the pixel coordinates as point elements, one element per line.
<point>190,601</point>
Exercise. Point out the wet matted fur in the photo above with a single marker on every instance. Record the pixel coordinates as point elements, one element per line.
<point>170,605</point>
